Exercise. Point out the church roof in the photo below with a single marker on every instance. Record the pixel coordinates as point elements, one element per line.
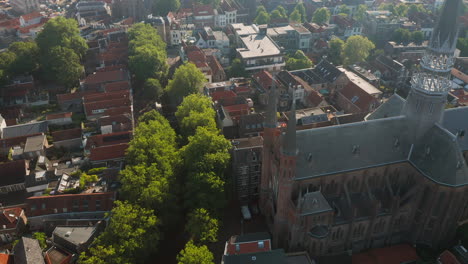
<point>392,107</point>
<point>334,149</point>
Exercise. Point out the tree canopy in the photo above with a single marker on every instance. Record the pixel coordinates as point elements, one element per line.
<point>27,57</point>
<point>202,226</point>
<point>298,61</point>
<point>360,13</point>
<point>295,16</point>
<point>462,45</point>
<point>195,111</point>
<point>335,51</point>
<point>125,240</point>
<point>64,33</point>
<point>321,15</point>
<point>282,11</point>
<point>262,18</point>
<point>62,65</point>
<point>237,69</point>
<point>187,79</point>
<point>152,89</point>
<point>357,49</point>
<point>193,254</point>
<point>302,11</point>
<point>147,53</point>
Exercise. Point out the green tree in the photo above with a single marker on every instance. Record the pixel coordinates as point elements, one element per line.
<point>402,35</point>
<point>321,15</point>
<point>187,79</point>
<point>262,18</point>
<point>462,45</point>
<point>400,10</point>
<point>141,34</point>
<point>61,32</point>
<point>152,89</point>
<point>62,65</point>
<point>162,7</point>
<point>417,36</point>
<point>41,237</point>
<point>213,3</point>
<point>357,49</point>
<point>6,60</point>
<point>152,158</point>
<point>204,189</point>
<point>202,226</point>
<point>295,16</point>
<point>387,6</point>
<point>344,9</point>
<point>195,110</point>
<point>282,11</point>
<point>360,14</point>
<point>86,179</point>
<point>237,69</point>
<point>298,61</point>
<point>302,11</point>
<point>335,51</point>
<point>193,254</point>
<point>27,57</point>
<point>148,62</point>
<point>260,9</point>
<point>125,240</point>
<point>416,8</point>
<point>276,15</point>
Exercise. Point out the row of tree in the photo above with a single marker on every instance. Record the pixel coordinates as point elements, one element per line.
<point>54,56</point>
<point>403,35</point>
<point>298,15</point>
<point>404,10</point>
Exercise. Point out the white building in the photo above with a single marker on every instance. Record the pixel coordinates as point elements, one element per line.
<point>24,6</point>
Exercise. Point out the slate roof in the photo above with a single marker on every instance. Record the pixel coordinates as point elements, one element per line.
<point>28,251</point>
<point>314,202</point>
<point>392,107</point>
<point>456,121</point>
<point>353,146</point>
<point>327,71</point>
<point>25,129</point>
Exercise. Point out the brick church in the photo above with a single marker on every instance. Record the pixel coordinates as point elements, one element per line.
<point>400,176</point>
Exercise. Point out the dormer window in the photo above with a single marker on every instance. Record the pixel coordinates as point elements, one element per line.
<point>355,149</point>
<point>261,244</point>
<point>461,133</point>
<point>396,144</point>
<point>237,247</point>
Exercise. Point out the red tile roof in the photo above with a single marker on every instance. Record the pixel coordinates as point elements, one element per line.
<point>112,152</point>
<point>115,119</point>
<point>27,29</point>
<point>6,259</point>
<point>118,111</point>
<point>203,10</point>
<point>264,79</point>
<point>388,255</point>
<point>247,247</point>
<point>106,96</point>
<point>31,16</point>
<point>448,258</point>
<point>10,24</point>
<point>6,143</point>
<point>459,75</point>
<point>237,110</point>
<point>215,96</point>
<point>116,86</point>
<point>214,64</point>
<point>108,139</point>
<point>66,134</point>
<point>73,96</point>
<point>9,217</point>
<point>112,68</point>
<point>314,98</point>
<point>105,77</point>
<point>361,99</point>
<point>60,115</point>
<point>105,105</point>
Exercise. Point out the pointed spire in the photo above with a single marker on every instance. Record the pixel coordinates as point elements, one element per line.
<point>290,147</point>
<point>445,33</point>
<point>271,115</point>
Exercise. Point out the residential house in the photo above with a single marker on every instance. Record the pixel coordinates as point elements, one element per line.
<point>412,51</point>
<point>347,26</point>
<point>57,255</point>
<point>212,39</point>
<point>291,37</point>
<point>109,156</point>
<point>159,23</point>
<point>246,167</point>
<point>99,79</point>
<point>250,125</point>
<point>8,144</point>
<point>69,139</point>
<point>259,52</point>
<point>217,71</point>
<point>73,102</point>
<point>13,221</point>
<point>333,77</point>
<point>25,129</point>
<point>35,146</point>
<point>115,123</point>
<point>381,24</point>
<point>115,138</point>
<point>92,11</point>
<point>226,14</point>
<point>390,71</point>
<point>203,16</point>
<point>59,119</point>
<point>313,79</point>
<point>30,19</point>
<point>301,91</point>
<point>137,9</point>
<point>247,243</point>
<point>75,239</point>
<point>31,24</point>
<point>71,204</point>
<point>209,65</point>
<point>365,71</point>
<point>28,251</point>
<point>23,92</point>
<point>98,105</point>
<point>317,31</point>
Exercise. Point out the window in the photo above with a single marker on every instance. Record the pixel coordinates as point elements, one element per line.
<point>75,205</point>
<point>33,207</point>
<point>65,210</point>
<point>85,204</point>
<point>261,244</point>
<point>98,205</point>
<point>43,206</point>
<point>237,247</point>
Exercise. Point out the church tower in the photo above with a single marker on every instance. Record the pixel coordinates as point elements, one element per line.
<point>270,131</point>
<point>430,85</point>
<point>287,172</point>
